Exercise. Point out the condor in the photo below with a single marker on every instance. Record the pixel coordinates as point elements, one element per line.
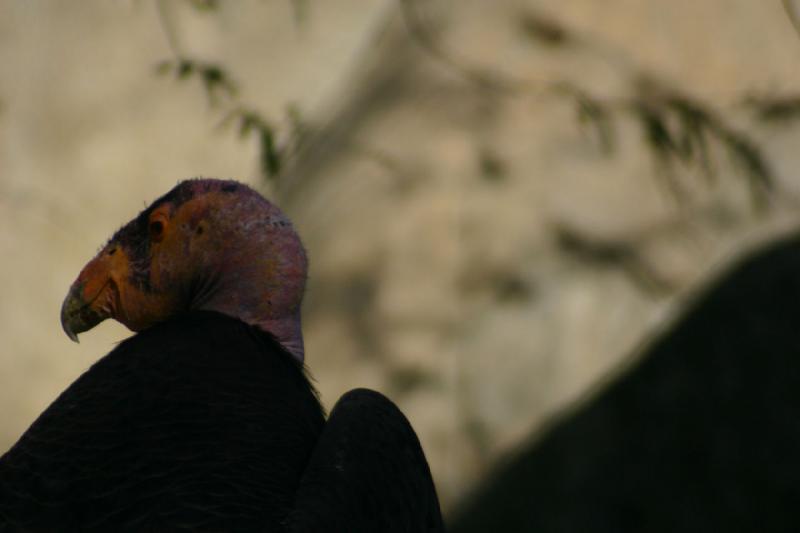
<point>205,420</point>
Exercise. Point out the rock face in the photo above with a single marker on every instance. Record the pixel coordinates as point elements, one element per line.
<point>699,435</point>
<point>477,255</point>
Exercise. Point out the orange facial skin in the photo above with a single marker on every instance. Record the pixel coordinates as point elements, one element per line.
<point>107,287</point>
<point>104,290</point>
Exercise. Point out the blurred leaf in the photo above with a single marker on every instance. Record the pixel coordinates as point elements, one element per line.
<point>184,69</point>
<point>775,108</point>
<point>656,133</point>
<point>591,112</point>
<point>204,5</point>
<point>748,155</point>
<point>655,130</point>
<point>270,158</point>
<point>247,122</point>
<point>213,77</point>
<point>215,81</point>
<point>692,145</point>
<point>543,29</point>
<point>653,117</point>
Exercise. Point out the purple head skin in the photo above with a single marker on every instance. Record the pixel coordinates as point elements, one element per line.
<point>207,244</point>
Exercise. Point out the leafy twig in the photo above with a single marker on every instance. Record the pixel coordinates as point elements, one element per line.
<point>482,79</point>
<point>216,82</point>
<point>676,126</point>
<point>222,94</point>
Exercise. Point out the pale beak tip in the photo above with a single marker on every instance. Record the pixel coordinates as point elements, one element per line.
<point>68,330</point>
<point>67,315</point>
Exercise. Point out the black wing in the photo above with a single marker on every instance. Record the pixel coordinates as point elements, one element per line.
<point>202,423</point>
<point>367,474</point>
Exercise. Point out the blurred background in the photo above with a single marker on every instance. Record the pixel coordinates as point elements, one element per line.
<point>502,200</point>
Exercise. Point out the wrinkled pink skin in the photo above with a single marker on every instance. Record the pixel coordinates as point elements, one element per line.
<point>259,273</point>
<point>252,264</point>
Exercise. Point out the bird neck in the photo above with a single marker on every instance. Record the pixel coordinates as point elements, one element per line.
<point>288,333</point>
<point>245,305</point>
<point>261,284</point>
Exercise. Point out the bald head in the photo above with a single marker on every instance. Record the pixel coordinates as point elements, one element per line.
<point>206,244</point>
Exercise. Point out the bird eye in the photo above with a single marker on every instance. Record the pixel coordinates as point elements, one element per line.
<point>112,251</point>
<point>156,229</point>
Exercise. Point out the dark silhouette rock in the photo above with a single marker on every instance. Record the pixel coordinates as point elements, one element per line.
<point>702,433</point>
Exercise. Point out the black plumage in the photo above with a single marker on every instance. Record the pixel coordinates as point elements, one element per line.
<point>205,423</point>
<point>368,469</point>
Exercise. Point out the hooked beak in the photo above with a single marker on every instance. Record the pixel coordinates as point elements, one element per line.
<point>70,313</point>
<point>89,300</point>
<point>79,315</point>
